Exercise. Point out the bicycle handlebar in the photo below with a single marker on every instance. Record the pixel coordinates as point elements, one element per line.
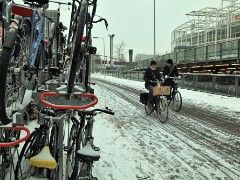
<point>172,78</point>
<point>155,81</point>
<point>11,144</point>
<point>91,112</point>
<point>65,107</point>
<point>57,2</point>
<point>102,19</point>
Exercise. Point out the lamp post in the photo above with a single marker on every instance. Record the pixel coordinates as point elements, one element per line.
<point>111,49</point>
<point>103,54</point>
<point>154,32</point>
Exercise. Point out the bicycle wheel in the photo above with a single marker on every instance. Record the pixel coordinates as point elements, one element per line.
<point>162,109</point>
<point>177,101</point>
<point>31,148</point>
<point>148,110</point>
<point>86,170</point>
<point>53,146</point>
<point>5,154</point>
<point>71,155</point>
<point>14,57</point>
<point>77,41</point>
<point>85,167</point>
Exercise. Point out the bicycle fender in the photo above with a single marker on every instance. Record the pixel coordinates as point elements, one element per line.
<point>11,35</point>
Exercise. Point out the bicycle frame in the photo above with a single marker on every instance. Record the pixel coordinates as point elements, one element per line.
<point>35,44</point>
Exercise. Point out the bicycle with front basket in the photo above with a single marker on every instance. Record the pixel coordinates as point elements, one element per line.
<point>160,105</point>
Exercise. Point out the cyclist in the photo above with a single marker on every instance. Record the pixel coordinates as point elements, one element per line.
<point>170,70</point>
<point>151,74</point>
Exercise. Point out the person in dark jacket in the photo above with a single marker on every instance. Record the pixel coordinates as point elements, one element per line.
<point>169,70</point>
<point>151,74</point>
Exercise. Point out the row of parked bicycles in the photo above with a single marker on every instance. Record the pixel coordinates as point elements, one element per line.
<point>47,78</point>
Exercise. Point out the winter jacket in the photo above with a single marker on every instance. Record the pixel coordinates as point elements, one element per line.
<point>151,75</point>
<point>174,72</point>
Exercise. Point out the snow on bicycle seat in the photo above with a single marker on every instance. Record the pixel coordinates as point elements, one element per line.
<point>43,160</point>
<point>62,101</point>
<point>88,153</point>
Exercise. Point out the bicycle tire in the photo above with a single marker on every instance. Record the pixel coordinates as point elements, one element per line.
<point>85,167</point>
<point>162,110</point>
<point>5,153</point>
<point>85,170</point>
<point>53,146</point>
<point>13,57</point>
<point>53,49</point>
<point>30,149</point>
<point>177,101</point>
<point>77,41</point>
<point>4,62</point>
<point>71,155</point>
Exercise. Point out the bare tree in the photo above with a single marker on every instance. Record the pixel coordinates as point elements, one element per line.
<point>119,51</point>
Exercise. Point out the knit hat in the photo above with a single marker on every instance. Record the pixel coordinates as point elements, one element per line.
<point>153,62</point>
<point>170,61</point>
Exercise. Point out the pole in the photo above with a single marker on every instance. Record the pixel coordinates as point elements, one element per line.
<point>104,55</point>
<point>154,32</point>
<point>104,68</point>
<point>111,50</point>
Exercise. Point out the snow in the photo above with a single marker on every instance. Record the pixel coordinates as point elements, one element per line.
<point>203,99</point>
<point>136,146</point>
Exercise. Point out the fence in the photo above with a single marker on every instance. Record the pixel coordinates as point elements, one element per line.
<point>214,83</point>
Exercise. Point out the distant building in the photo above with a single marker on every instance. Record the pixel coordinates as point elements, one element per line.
<point>140,57</point>
<point>208,26</point>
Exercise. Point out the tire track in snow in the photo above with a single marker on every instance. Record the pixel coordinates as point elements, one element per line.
<point>138,104</point>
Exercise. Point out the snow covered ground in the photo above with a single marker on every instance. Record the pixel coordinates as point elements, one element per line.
<point>136,146</point>
<point>202,141</point>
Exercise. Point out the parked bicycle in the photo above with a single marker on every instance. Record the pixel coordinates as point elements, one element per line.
<point>80,48</point>
<point>42,154</point>
<point>22,56</point>
<point>10,140</point>
<point>82,152</point>
<point>57,40</point>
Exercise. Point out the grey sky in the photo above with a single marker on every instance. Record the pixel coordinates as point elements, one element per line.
<point>132,22</point>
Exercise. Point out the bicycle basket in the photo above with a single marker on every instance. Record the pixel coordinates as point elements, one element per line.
<point>39,1</point>
<point>161,90</point>
<point>143,98</point>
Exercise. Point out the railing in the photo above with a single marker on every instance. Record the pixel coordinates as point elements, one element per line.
<point>214,83</point>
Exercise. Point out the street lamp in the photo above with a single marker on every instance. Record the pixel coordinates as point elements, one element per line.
<point>154,32</point>
<point>103,54</point>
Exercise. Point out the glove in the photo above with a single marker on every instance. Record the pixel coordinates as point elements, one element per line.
<point>166,76</point>
<point>179,77</point>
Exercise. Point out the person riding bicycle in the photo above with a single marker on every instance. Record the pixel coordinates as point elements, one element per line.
<point>170,70</point>
<point>151,74</point>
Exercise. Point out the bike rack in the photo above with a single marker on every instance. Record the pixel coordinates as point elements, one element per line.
<point>79,101</point>
<point>18,128</point>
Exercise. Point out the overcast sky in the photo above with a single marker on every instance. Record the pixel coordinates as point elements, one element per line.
<point>132,22</point>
